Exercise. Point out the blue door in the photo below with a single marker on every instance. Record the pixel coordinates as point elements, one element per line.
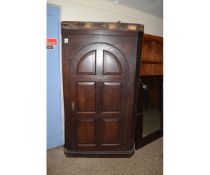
<point>54,118</point>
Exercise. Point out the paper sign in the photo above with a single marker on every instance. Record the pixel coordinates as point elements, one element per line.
<point>51,41</point>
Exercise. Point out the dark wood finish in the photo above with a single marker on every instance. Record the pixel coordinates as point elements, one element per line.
<point>111,132</point>
<point>151,69</point>
<point>100,70</point>
<point>156,99</point>
<point>152,56</point>
<point>113,90</point>
<point>140,142</point>
<point>154,84</point>
<point>86,132</point>
<point>87,64</point>
<point>139,114</point>
<point>111,65</point>
<point>97,154</point>
<point>151,74</point>
<point>86,96</point>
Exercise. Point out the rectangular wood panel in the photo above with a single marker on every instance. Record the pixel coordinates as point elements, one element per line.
<point>152,56</point>
<point>148,51</point>
<point>112,96</point>
<point>151,69</point>
<point>152,51</point>
<point>159,52</point>
<point>111,131</point>
<point>86,95</point>
<point>86,132</point>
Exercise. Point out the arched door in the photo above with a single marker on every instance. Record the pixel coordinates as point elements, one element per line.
<point>97,98</point>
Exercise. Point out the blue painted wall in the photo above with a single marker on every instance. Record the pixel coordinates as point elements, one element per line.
<point>54,117</point>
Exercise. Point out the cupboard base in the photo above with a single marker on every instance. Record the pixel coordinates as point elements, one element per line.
<point>126,154</point>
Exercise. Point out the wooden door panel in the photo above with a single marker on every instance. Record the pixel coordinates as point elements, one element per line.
<point>112,96</point>
<point>100,68</point>
<point>87,64</point>
<point>86,132</point>
<point>99,96</point>
<point>86,96</point>
<point>111,131</point>
<point>111,64</point>
<point>98,88</point>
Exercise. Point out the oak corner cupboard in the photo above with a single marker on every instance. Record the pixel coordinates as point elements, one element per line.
<point>100,64</point>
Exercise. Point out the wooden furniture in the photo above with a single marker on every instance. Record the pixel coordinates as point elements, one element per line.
<point>151,75</point>
<point>100,72</point>
<point>152,56</point>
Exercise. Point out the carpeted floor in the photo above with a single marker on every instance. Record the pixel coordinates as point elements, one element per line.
<point>146,161</point>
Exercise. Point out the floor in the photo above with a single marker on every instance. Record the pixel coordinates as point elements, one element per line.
<point>146,161</point>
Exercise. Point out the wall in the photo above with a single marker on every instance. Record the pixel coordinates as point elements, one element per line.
<point>54,91</point>
<point>107,11</point>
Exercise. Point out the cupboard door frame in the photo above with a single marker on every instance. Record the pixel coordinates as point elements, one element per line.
<point>120,41</point>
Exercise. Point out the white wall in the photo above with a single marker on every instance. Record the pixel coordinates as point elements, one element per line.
<point>107,11</point>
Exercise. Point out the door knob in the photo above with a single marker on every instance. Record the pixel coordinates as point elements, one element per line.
<point>72,106</point>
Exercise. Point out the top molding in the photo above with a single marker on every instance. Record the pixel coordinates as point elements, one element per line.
<point>102,26</point>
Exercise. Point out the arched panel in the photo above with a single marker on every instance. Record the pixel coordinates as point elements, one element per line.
<point>111,64</point>
<point>87,64</point>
